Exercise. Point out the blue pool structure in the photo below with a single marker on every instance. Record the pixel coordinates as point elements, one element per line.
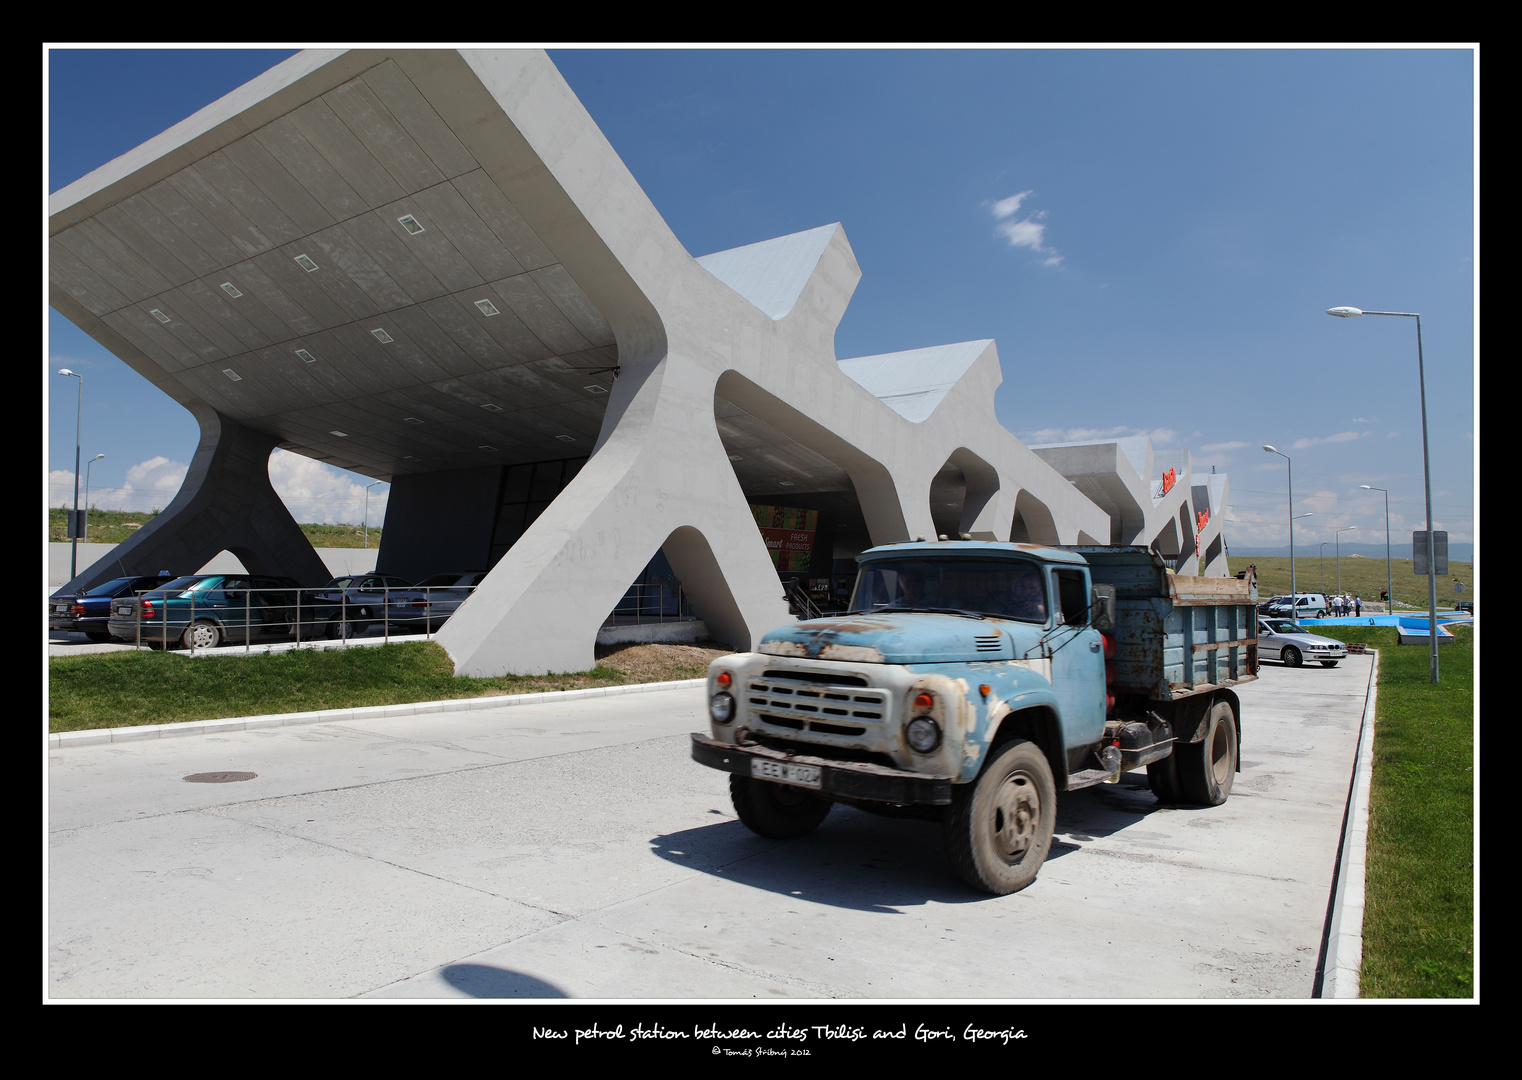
<point>1412,629</point>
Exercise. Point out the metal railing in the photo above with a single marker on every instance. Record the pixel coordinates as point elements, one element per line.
<point>285,614</point>
<point>660,601</point>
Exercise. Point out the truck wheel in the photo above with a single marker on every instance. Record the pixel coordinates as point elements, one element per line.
<point>1207,768</point>
<point>1162,778</point>
<point>776,811</point>
<point>999,828</point>
<point>1290,656</point>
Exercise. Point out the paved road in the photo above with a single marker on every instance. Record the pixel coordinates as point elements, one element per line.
<point>573,850</point>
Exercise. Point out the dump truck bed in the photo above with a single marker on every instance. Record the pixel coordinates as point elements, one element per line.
<point>1176,636</point>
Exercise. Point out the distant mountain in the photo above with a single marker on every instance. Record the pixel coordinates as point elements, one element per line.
<point>1456,552</point>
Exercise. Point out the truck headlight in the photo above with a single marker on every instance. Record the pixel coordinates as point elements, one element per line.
<point>722,708</point>
<point>923,734</point>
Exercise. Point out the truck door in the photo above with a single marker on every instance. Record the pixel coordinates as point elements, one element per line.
<point>1078,663</point>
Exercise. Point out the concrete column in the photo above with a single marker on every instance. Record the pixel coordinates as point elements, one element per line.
<point>225,504</point>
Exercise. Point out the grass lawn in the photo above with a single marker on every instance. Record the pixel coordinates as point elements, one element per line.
<point>1360,577</point>
<point>1418,930</point>
<point>116,526</point>
<point>123,689</point>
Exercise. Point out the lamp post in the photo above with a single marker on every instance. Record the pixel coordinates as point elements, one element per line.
<point>1421,376</point>
<point>367,511</point>
<point>1290,480</point>
<point>1337,536</point>
<point>1389,575</point>
<point>88,464</point>
<point>79,403</point>
<point>1324,543</point>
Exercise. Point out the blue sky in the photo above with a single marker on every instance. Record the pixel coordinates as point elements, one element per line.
<point>1152,236</point>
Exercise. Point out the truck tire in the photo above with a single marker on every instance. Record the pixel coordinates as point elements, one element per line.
<point>1162,778</point>
<point>776,811</point>
<point>999,828</point>
<point>1207,768</point>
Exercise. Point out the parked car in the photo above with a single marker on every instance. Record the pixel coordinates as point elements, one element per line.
<point>428,605</point>
<point>203,611</point>
<point>1290,643</point>
<point>88,612</point>
<point>1465,605</point>
<point>346,606</point>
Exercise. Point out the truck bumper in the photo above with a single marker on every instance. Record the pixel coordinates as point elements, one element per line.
<point>842,779</point>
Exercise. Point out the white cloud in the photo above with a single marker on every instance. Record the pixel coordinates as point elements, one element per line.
<point>149,484</point>
<point>1341,436</point>
<point>322,495</point>
<point>313,492</point>
<point>1159,436</point>
<point>1028,232</point>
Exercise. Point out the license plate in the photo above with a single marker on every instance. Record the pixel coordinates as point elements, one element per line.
<point>801,775</point>
<point>60,609</point>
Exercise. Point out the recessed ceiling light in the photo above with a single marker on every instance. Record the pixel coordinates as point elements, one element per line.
<point>159,315</point>
<point>410,223</point>
<point>595,389</point>
<point>786,483</point>
<point>340,434</point>
<point>565,438</point>
<point>308,357</point>
<point>231,374</point>
<point>305,263</point>
<point>488,449</point>
<point>735,457</point>
<point>412,420</point>
<point>411,457</point>
<point>231,290</point>
<point>382,337</point>
<point>492,408</point>
<point>487,307</point>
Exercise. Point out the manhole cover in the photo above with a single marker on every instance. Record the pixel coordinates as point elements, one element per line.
<point>219,777</point>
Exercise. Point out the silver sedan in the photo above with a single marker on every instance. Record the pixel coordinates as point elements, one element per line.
<point>1287,641</point>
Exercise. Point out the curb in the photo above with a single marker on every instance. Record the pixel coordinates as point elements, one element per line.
<point>1344,932</point>
<point>64,739</point>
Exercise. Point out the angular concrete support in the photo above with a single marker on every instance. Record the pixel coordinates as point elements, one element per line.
<point>225,504</point>
<point>431,266</point>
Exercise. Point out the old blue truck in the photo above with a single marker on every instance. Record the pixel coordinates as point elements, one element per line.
<point>972,681</point>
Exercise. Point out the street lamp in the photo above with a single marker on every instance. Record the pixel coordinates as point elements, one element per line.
<point>1421,376</point>
<point>1389,575</point>
<point>86,529</point>
<point>1324,543</point>
<point>1290,479</point>
<point>367,511</point>
<point>1337,536</point>
<point>79,403</point>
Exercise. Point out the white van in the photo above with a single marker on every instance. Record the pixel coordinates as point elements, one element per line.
<point>1307,605</point>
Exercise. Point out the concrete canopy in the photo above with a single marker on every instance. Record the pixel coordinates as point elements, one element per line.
<point>429,266</point>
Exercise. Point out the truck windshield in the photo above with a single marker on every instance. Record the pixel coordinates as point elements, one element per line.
<point>1003,588</point>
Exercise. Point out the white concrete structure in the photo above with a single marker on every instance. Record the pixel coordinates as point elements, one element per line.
<point>431,267</point>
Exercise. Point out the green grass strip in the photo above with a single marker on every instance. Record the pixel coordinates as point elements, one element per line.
<point>1418,930</point>
<point>123,689</point>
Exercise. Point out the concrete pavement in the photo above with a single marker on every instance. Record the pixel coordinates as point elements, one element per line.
<point>569,848</point>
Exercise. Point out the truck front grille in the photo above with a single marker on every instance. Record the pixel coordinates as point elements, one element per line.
<point>806,705</point>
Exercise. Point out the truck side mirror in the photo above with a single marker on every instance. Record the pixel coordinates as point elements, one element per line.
<point>1103,608</point>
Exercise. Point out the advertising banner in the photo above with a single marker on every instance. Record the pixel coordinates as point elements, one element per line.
<point>789,535</point>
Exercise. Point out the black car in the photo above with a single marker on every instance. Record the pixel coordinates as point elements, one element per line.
<point>88,612</point>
